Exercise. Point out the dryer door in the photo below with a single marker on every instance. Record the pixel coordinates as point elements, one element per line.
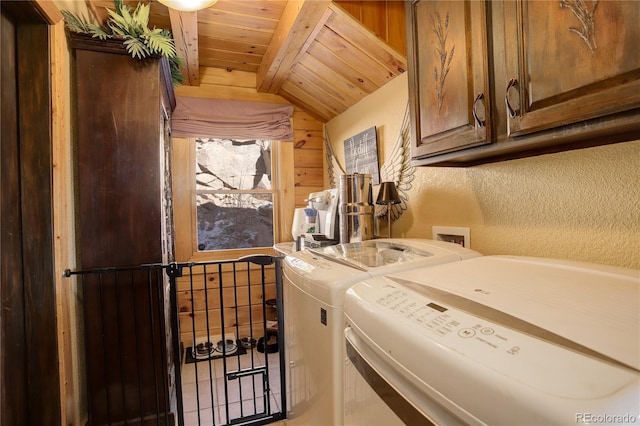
<point>374,393</point>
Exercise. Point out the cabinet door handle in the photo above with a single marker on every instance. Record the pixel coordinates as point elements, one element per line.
<point>479,122</point>
<point>512,83</point>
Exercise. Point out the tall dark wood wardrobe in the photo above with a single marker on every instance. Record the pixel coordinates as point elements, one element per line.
<point>124,220</point>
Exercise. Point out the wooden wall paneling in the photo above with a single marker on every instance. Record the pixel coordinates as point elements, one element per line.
<point>308,139</point>
<point>354,7</point>
<point>31,394</point>
<point>213,279</point>
<point>311,141</point>
<point>226,78</point>
<point>303,121</point>
<point>68,306</point>
<point>13,363</point>
<point>308,156</point>
<point>214,318</point>
<point>254,50</point>
<point>243,61</point>
<point>284,174</point>
<point>182,196</point>
<point>34,88</point>
<point>396,26</point>
<point>385,18</point>
<point>242,310</point>
<point>227,92</point>
<point>309,177</point>
<point>374,17</point>
<point>242,296</point>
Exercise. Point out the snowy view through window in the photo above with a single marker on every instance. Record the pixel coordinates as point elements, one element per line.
<point>234,194</point>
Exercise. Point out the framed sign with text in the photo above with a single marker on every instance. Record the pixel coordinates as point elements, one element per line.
<point>361,154</point>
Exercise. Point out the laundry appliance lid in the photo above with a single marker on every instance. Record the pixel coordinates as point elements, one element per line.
<point>327,272</point>
<point>592,307</point>
<point>387,252</point>
<point>499,340</point>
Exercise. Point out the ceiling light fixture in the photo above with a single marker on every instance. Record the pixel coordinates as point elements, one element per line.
<point>188,5</point>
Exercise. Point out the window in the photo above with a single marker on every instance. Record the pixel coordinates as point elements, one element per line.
<point>185,194</point>
<point>234,194</point>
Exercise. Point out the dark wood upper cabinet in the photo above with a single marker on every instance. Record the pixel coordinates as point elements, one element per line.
<point>571,61</point>
<point>561,75</point>
<point>448,75</point>
<point>124,106</point>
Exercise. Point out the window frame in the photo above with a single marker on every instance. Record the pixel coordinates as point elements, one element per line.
<point>185,214</point>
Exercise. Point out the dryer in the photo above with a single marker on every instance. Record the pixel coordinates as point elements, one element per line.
<point>494,340</point>
<point>315,281</point>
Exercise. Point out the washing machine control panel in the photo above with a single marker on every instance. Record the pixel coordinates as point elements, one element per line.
<point>443,321</point>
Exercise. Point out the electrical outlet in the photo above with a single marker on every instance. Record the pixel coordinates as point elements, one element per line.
<point>452,234</point>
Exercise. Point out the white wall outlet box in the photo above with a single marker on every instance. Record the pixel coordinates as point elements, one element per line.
<point>452,234</point>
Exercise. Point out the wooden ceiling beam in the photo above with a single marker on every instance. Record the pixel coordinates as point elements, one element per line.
<point>296,30</point>
<point>184,26</point>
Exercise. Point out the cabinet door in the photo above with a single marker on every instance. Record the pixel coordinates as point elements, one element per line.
<point>570,61</point>
<point>119,171</point>
<point>448,75</point>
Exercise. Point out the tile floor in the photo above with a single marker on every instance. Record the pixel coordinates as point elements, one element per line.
<point>204,398</point>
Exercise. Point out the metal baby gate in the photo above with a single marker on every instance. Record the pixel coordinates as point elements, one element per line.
<point>184,343</point>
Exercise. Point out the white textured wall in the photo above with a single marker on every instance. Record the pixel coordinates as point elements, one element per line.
<point>581,205</point>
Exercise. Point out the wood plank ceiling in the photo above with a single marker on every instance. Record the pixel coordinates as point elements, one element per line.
<point>313,53</point>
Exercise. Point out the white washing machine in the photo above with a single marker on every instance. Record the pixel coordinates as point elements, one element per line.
<point>494,340</point>
<point>315,281</point>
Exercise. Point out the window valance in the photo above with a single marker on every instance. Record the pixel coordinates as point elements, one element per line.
<point>224,119</point>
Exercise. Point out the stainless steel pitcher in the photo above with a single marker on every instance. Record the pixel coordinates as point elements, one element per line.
<point>356,208</point>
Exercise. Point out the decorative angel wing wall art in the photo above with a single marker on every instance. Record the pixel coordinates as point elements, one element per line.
<point>396,168</point>
<point>334,168</point>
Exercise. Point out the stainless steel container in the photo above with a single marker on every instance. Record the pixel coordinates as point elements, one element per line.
<point>356,208</point>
